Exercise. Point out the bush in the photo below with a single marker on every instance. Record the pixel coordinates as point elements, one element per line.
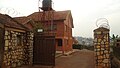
<point>89,48</point>
<point>116,52</point>
<point>77,46</point>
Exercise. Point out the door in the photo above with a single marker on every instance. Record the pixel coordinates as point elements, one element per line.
<point>44,50</point>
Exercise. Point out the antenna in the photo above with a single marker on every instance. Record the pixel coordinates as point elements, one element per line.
<point>39,5</point>
<point>53,4</point>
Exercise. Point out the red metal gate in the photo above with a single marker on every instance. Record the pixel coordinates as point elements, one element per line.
<point>44,50</point>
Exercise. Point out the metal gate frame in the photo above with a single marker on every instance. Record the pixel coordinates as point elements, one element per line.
<point>2,44</point>
<point>44,50</point>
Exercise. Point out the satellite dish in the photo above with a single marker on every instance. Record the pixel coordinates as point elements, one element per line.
<point>102,22</point>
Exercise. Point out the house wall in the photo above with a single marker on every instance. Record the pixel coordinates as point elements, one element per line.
<point>68,35</point>
<point>59,32</point>
<point>60,29</point>
<point>64,32</point>
<point>28,25</point>
<point>118,42</point>
<point>18,48</point>
<point>59,35</point>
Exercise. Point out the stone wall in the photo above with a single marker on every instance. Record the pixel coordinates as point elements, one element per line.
<point>102,48</point>
<point>18,48</point>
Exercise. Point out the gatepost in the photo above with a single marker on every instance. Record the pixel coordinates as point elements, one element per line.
<point>102,47</point>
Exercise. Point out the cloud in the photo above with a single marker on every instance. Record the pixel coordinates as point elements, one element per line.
<point>84,12</point>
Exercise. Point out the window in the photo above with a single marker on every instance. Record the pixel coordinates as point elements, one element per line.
<point>19,40</point>
<point>59,42</point>
<point>54,26</point>
<point>48,27</point>
<point>117,44</point>
<point>51,27</point>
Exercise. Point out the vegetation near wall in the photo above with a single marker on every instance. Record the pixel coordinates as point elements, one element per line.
<point>116,52</point>
<point>115,57</point>
<point>89,48</point>
<point>77,46</point>
<point>80,46</point>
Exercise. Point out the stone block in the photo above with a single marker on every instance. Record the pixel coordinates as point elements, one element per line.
<point>106,61</point>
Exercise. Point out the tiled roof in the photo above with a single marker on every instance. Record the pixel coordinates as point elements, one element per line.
<point>9,22</point>
<point>22,20</point>
<point>58,15</point>
<point>37,16</point>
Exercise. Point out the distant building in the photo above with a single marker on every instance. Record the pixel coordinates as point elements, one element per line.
<point>75,41</point>
<point>85,41</point>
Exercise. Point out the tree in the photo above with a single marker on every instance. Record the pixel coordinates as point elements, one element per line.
<point>37,25</point>
<point>83,44</point>
<point>114,38</point>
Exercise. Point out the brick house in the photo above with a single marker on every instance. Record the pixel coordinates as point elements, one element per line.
<point>62,24</point>
<point>118,42</point>
<point>27,22</point>
<point>16,41</point>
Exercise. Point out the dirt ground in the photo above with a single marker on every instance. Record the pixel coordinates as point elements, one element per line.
<point>79,59</point>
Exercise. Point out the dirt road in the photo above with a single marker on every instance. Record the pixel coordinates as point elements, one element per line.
<point>79,59</point>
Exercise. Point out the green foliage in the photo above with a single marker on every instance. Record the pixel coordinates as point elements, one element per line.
<point>116,52</point>
<point>89,48</point>
<point>113,38</point>
<point>77,46</point>
<point>37,25</point>
<point>115,57</point>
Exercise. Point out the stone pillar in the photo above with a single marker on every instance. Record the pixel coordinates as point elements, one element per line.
<point>102,47</point>
<point>29,49</point>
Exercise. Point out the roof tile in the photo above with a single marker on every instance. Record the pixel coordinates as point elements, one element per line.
<point>9,22</point>
<point>58,15</point>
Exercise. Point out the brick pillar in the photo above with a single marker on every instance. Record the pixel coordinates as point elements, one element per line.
<point>102,47</point>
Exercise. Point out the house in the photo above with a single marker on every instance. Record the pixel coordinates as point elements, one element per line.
<point>16,41</point>
<point>59,24</point>
<point>27,22</point>
<point>62,27</point>
<point>118,42</point>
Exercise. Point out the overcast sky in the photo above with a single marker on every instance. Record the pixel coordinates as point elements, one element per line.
<point>84,12</point>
